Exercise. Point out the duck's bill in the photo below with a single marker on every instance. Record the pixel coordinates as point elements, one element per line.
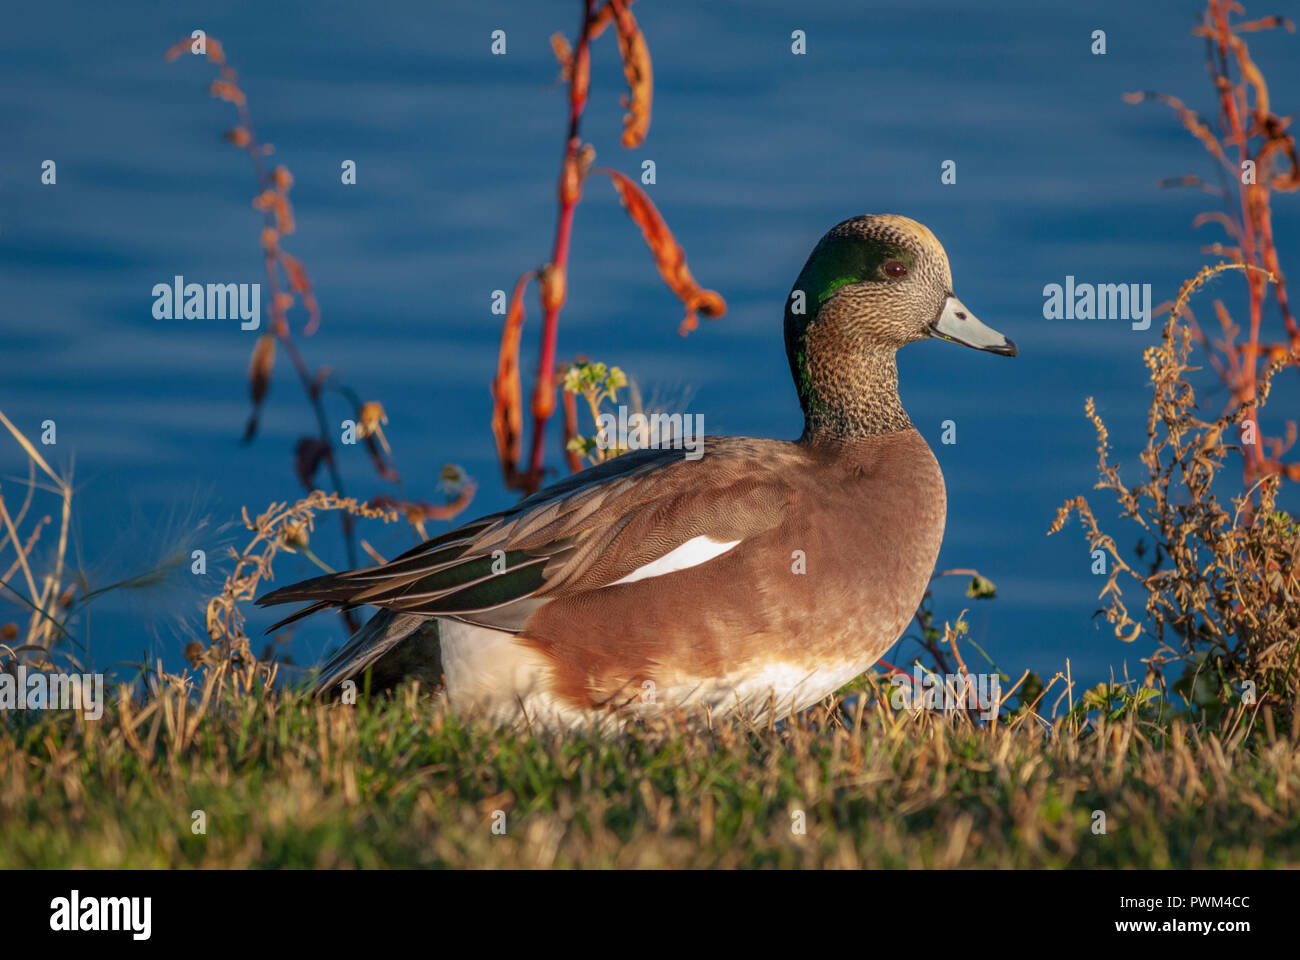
<point>956,324</point>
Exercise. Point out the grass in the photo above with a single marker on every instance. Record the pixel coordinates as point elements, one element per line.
<point>287,782</point>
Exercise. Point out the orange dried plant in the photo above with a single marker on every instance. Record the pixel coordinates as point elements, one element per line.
<point>507,390</point>
<point>1257,155</point>
<point>289,284</point>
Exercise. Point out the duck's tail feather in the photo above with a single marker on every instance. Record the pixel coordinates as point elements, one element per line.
<point>377,637</point>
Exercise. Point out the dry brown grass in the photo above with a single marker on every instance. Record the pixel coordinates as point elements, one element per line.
<point>1217,579</point>
<point>23,527</point>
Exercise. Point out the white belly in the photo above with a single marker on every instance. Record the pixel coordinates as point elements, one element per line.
<point>771,689</point>
<point>491,674</point>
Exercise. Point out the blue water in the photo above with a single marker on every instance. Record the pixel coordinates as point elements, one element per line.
<point>758,152</point>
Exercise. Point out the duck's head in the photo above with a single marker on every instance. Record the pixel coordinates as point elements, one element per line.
<point>871,285</point>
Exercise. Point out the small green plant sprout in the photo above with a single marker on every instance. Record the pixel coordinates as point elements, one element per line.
<point>932,639</point>
<point>1116,701</point>
<point>594,382</point>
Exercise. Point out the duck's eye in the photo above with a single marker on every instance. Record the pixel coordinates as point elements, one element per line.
<point>895,269</point>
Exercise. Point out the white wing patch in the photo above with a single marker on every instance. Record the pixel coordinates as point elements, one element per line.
<point>692,553</point>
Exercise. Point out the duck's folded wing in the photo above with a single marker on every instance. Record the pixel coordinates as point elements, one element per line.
<point>642,514</point>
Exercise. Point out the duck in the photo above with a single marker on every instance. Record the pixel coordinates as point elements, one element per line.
<point>756,579</point>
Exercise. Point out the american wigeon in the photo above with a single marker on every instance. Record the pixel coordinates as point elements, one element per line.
<point>760,577</point>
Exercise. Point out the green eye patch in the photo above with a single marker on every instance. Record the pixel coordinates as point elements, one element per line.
<point>840,261</point>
